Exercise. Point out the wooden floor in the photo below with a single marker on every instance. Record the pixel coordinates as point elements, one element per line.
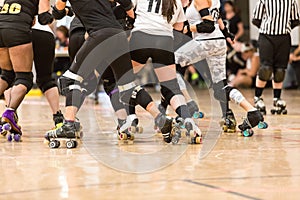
<point>265,166</point>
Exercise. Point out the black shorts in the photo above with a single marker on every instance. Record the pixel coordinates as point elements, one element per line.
<point>159,48</point>
<point>14,37</point>
<point>274,50</point>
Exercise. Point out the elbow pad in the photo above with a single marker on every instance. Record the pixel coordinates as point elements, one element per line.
<point>58,14</point>
<point>204,12</point>
<point>256,22</point>
<point>45,18</point>
<point>126,4</point>
<point>207,26</point>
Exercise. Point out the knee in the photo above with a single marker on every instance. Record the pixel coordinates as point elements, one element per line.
<point>220,93</point>
<point>45,83</point>
<point>169,89</point>
<point>265,73</point>
<point>69,82</point>
<point>24,78</point>
<point>8,76</point>
<point>279,75</point>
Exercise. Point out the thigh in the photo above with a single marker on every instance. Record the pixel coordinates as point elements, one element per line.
<point>21,63</point>
<point>139,49</point>
<point>266,50</point>
<point>192,52</point>
<point>282,52</point>
<point>5,62</point>
<point>76,40</point>
<point>43,50</point>
<point>217,66</point>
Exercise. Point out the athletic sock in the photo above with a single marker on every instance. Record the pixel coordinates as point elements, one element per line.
<point>277,93</point>
<point>258,91</point>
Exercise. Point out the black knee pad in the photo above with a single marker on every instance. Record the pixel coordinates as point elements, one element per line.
<point>24,78</point>
<point>8,76</point>
<point>140,97</point>
<point>279,75</point>
<point>221,91</point>
<point>265,72</point>
<point>45,83</point>
<point>69,82</point>
<point>169,89</point>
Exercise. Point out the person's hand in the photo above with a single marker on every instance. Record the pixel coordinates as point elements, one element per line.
<point>292,58</point>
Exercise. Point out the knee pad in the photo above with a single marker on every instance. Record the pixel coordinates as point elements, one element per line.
<point>140,97</point>
<point>24,78</point>
<point>45,83</point>
<point>8,76</point>
<point>169,89</point>
<point>68,82</point>
<point>90,83</point>
<point>220,91</point>
<point>234,94</point>
<point>265,73</point>
<point>279,75</point>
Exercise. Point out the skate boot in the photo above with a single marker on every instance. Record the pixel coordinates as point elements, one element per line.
<point>124,134</point>
<point>193,134</point>
<point>9,126</point>
<point>279,107</point>
<point>63,132</point>
<point>229,122</point>
<point>254,118</point>
<point>260,105</point>
<point>134,128</point>
<point>194,110</point>
<point>58,117</point>
<point>164,123</point>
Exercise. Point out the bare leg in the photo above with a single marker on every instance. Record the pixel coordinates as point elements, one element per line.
<point>52,97</point>
<point>5,64</point>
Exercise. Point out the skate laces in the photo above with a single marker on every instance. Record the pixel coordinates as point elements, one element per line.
<point>54,130</point>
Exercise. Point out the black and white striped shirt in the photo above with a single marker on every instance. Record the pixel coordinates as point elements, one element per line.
<point>276,16</point>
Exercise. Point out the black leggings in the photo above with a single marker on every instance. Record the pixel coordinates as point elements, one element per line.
<point>44,50</point>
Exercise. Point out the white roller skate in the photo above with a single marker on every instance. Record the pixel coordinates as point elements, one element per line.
<point>279,107</point>
<point>259,104</point>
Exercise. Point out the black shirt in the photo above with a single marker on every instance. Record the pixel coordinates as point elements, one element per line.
<point>235,62</point>
<point>18,14</point>
<point>233,24</point>
<point>95,14</point>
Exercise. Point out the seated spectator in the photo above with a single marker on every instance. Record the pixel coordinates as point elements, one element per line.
<point>292,77</point>
<point>241,67</point>
<point>61,63</point>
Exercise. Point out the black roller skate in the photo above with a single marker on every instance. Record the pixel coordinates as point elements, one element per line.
<point>254,118</point>
<point>9,126</point>
<point>65,132</point>
<point>229,122</point>
<point>193,134</point>
<point>165,124</point>
<point>279,107</point>
<point>259,104</point>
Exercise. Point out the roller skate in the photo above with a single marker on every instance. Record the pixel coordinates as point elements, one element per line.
<point>165,124</point>
<point>124,130</point>
<point>228,123</point>
<point>254,118</point>
<point>260,105</point>
<point>134,128</point>
<point>193,133</point>
<point>194,110</point>
<point>65,132</point>
<point>9,126</point>
<point>279,107</point>
<point>58,117</point>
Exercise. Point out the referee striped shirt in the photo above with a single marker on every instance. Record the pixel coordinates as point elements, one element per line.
<point>276,16</point>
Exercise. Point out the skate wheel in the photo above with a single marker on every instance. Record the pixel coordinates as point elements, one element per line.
<point>198,140</point>
<point>9,137</point>
<point>176,137</point>
<point>70,144</point>
<point>6,127</point>
<point>248,133</point>
<point>132,129</point>
<point>273,112</point>
<point>262,125</point>
<point>131,137</point>
<point>75,144</point>
<point>225,128</point>
<point>284,112</point>
<point>123,136</point>
<point>140,129</point>
<point>54,144</point>
<point>17,137</point>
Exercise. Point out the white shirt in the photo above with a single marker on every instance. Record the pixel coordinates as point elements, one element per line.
<point>38,26</point>
<point>149,18</point>
<point>194,18</point>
